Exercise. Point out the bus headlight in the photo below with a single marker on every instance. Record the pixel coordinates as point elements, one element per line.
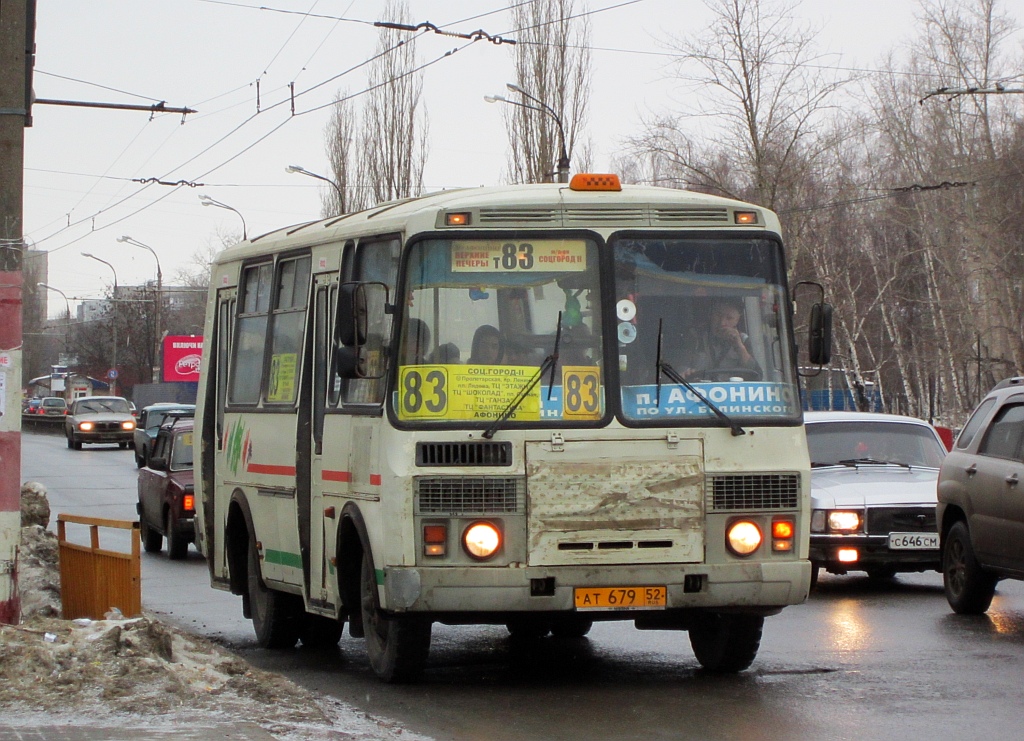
<point>481,540</point>
<point>843,521</point>
<point>743,537</point>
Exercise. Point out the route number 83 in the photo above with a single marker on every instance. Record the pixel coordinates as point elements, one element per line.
<point>581,392</point>
<point>424,392</point>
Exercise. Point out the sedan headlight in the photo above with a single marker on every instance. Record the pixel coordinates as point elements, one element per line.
<point>85,426</point>
<point>844,521</point>
<point>129,425</point>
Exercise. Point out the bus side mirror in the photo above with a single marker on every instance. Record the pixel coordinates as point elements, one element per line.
<point>819,346</point>
<point>352,315</point>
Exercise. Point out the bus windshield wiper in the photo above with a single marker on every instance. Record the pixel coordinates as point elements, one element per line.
<point>549,364</point>
<point>675,377</point>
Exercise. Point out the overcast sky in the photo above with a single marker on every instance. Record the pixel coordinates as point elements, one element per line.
<point>81,163</point>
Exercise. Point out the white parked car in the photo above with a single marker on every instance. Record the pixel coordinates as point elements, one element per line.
<point>873,493</point>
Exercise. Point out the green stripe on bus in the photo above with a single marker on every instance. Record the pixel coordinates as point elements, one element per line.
<point>379,575</point>
<point>283,558</point>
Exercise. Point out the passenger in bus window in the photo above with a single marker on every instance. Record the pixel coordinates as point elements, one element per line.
<point>487,349</point>
<point>415,342</point>
<point>720,348</point>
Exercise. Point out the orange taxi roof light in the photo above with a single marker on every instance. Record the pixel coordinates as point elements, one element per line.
<point>593,181</point>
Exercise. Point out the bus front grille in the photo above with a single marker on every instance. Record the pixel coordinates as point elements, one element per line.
<point>476,495</point>
<point>753,491</point>
<point>482,453</point>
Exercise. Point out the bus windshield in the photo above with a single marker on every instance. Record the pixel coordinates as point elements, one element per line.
<point>481,316</point>
<point>717,307</point>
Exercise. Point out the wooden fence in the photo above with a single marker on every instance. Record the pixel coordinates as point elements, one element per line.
<point>94,580</point>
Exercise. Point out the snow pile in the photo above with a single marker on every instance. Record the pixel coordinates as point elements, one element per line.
<point>142,672</point>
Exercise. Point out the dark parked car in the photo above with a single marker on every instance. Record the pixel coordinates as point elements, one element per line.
<point>149,421</point>
<point>981,501</point>
<point>166,494</point>
<point>873,493</point>
<point>31,406</point>
<point>99,419</point>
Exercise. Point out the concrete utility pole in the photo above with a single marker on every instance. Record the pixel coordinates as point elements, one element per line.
<point>17,34</point>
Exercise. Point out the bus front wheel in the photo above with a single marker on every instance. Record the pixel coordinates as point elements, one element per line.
<point>275,615</point>
<point>726,643</point>
<point>396,645</point>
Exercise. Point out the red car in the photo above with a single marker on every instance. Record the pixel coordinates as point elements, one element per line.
<point>166,492</point>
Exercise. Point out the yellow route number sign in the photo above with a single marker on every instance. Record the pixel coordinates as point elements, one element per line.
<point>581,392</point>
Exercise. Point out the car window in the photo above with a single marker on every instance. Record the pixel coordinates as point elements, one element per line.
<point>974,424</point>
<point>1003,438</point>
<point>181,455</point>
<point>54,403</point>
<point>883,442</point>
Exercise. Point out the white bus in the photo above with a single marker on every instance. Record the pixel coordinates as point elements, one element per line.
<point>515,405</point>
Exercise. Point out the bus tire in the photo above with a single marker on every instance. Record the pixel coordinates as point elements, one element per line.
<point>396,646</point>
<point>726,643</point>
<point>318,631</point>
<point>275,615</point>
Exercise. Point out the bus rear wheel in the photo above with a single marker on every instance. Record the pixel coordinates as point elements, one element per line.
<point>726,643</point>
<point>275,615</point>
<point>396,645</point>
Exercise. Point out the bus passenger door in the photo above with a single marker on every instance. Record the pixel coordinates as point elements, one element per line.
<point>324,288</point>
<point>214,443</point>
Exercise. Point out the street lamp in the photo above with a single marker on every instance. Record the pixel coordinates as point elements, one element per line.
<point>304,171</point>
<point>159,302</point>
<point>207,201</point>
<point>542,107</point>
<point>113,381</point>
<point>67,325</point>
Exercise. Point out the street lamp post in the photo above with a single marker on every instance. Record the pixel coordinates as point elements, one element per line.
<point>67,324</point>
<point>207,201</point>
<point>304,171</point>
<point>159,304</point>
<point>113,381</point>
<point>541,107</point>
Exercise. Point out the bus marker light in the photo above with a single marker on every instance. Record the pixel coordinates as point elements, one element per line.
<point>434,539</point>
<point>591,181</point>
<point>782,529</point>
<point>743,537</point>
<point>847,555</point>
<point>481,540</point>
<point>456,219</point>
<point>745,217</point>
<point>188,502</point>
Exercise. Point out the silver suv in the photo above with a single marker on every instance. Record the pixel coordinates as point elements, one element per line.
<point>981,501</point>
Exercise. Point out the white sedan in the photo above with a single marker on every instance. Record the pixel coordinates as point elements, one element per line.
<point>873,493</point>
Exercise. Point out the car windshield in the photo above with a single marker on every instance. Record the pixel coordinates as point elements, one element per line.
<point>483,315</point>
<point>102,406</point>
<point>181,453</point>
<point>846,443</point>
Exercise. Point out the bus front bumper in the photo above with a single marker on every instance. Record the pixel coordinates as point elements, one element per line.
<point>763,587</point>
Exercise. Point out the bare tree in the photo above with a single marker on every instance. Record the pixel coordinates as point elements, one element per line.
<point>755,75</point>
<point>378,153</point>
<point>552,62</point>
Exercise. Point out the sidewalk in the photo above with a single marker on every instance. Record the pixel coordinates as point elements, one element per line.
<point>220,732</point>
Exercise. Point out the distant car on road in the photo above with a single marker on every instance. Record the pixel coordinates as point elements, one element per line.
<point>873,479</point>
<point>99,419</point>
<point>166,494</point>
<point>981,501</point>
<point>149,421</point>
<point>31,406</point>
<point>52,406</point>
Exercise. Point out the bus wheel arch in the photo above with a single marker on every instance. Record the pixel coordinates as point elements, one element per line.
<point>352,542</point>
<point>237,532</point>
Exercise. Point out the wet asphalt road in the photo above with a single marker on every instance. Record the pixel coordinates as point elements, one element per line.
<point>859,660</point>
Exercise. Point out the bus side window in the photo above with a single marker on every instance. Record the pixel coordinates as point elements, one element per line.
<point>251,335</point>
<point>287,330</point>
<point>375,261</point>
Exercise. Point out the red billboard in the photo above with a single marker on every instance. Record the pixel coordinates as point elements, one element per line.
<point>182,354</point>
